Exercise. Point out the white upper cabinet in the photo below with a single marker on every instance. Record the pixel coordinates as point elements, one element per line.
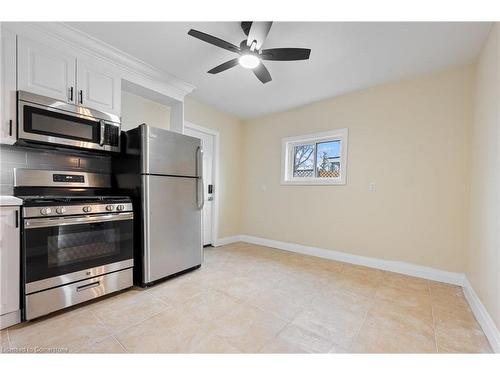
<point>53,58</point>
<point>46,71</point>
<point>50,72</point>
<point>98,88</point>
<point>8,128</point>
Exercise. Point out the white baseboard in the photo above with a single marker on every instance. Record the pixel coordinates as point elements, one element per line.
<point>483,317</point>
<point>226,240</point>
<point>386,265</point>
<point>409,269</point>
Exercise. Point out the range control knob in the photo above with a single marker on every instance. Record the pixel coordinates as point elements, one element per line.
<point>110,207</point>
<point>120,207</point>
<point>60,210</point>
<point>87,209</point>
<point>45,211</point>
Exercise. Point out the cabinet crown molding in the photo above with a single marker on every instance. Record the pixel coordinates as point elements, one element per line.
<point>88,45</point>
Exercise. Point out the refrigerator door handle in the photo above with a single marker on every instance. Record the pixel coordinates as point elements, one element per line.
<point>200,197</point>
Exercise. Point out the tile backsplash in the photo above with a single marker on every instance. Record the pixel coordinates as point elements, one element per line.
<point>25,157</point>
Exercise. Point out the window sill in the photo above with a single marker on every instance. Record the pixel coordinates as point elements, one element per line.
<point>312,182</point>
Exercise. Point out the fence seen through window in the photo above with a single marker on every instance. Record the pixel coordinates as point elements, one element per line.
<point>319,159</point>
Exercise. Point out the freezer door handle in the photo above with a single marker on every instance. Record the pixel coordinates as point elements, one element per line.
<point>200,191</point>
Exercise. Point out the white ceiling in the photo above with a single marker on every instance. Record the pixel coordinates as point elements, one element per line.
<point>344,57</point>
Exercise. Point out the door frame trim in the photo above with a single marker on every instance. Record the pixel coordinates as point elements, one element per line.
<point>215,172</point>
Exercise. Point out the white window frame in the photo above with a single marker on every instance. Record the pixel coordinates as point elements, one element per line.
<point>288,144</point>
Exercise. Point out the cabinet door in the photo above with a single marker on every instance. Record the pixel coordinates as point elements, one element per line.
<point>46,71</point>
<point>98,87</point>
<point>8,128</point>
<point>9,259</point>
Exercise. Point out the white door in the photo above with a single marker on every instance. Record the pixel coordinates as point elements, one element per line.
<point>46,71</point>
<point>207,143</point>
<point>98,87</point>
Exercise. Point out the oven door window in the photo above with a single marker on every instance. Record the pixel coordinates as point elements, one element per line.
<point>55,124</point>
<point>58,250</point>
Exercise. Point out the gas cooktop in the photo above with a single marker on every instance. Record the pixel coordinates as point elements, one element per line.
<point>70,198</point>
<point>54,193</point>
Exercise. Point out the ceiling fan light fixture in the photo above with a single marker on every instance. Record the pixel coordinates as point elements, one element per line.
<point>250,53</point>
<point>249,61</point>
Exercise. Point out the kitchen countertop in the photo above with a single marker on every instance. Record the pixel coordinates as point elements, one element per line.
<point>9,200</point>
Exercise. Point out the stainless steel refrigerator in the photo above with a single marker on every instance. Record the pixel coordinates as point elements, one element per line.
<point>162,171</point>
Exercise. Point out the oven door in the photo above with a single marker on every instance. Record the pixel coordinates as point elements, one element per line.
<point>61,250</point>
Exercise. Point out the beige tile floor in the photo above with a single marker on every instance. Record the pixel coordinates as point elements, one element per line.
<point>253,299</point>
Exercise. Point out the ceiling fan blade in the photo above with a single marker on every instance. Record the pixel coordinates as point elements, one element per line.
<point>262,73</point>
<point>225,66</point>
<point>213,40</point>
<point>258,32</point>
<point>285,54</point>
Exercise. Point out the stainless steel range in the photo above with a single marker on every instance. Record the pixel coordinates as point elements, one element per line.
<point>77,239</point>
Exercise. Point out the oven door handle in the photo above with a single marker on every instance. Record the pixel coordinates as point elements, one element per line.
<point>71,220</point>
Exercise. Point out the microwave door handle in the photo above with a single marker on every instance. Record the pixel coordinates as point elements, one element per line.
<point>101,139</point>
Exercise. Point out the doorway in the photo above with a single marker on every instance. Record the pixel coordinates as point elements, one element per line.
<point>209,143</point>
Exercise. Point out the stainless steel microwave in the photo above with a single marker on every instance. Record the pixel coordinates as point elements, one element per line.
<point>51,121</point>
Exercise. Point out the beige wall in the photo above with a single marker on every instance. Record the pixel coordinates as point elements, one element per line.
<point>137,110</point>
<point>230,173</point>
<point>409,138</point>
<point>428,143</point>
<point>483,255</point>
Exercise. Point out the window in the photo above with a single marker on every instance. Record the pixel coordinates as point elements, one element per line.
<point>315,159</point>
